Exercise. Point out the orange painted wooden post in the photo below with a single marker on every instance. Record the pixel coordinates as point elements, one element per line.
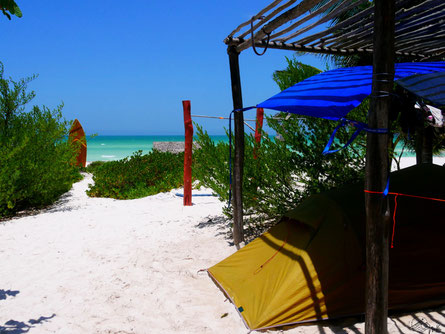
<point>188,125</point>
<point>259,126</point>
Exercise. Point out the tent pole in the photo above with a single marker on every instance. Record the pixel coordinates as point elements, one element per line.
<point>238,234</point>
<point>377,171</point>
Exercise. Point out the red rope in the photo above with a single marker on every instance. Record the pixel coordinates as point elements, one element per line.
<point>394,221</point>
<point>395,206</point>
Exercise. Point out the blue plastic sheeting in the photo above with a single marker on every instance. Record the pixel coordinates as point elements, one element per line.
<point>333,94</point>
<point>430,87</point>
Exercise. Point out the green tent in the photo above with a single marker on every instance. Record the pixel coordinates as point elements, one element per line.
<point>311,266</point>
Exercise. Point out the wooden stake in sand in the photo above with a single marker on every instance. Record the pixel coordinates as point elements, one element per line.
<point>188,125</point>
<point>258,128</point>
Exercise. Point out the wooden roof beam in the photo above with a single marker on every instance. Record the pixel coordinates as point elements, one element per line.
<point>323,50</point>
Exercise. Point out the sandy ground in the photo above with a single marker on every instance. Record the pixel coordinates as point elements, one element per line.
<point>91,265</point>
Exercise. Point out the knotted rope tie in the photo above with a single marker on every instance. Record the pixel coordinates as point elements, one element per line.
<point>253,40</point>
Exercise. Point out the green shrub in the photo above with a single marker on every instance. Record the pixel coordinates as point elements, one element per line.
<point>284,173</point>
<point>92,167</point>
<point>138,176</point>
<point>36,161</point>
<point>288,170</point>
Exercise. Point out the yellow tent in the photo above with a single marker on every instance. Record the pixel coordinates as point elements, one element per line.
<point>311,266</point>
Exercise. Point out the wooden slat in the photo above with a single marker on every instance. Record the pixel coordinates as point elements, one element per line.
<point>440,55</point>
<point>426,48</point>
<point>260,13</point>
<point>364,42</point>
<point>354,35</point>
<point>438,50</point>
<point>405,12</point>
<point>291,14</point>
<point>430,17</point>
<point>402,13</point>
<point>413,21</point>
<point>417,27</point>
<point>423,42</point>
<point>409,16</point>
<point>338,27</point>
<point>414,41</point>
<point>341,9</point>
<point>319,11</point>
<point>268,17</point>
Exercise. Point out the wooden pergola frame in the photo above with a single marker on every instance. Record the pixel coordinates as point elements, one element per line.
<point>410,28</point>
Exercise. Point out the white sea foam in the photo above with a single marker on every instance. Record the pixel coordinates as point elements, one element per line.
<point>108,156</point>
<point>102,144</point>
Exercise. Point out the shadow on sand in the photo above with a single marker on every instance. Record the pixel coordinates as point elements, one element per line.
<point>61,205</point>
<point>7,293</point>
<point>222,225</point>
<point>20,327</point>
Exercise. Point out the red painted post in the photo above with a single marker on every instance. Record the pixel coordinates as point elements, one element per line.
<point>188,125</point>
<point>259,126</point>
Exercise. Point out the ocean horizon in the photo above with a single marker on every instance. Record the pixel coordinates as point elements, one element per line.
<point>108,148</point>
<point>116,147</point>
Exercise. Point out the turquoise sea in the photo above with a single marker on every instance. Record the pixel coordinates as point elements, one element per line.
<point>107,148</point>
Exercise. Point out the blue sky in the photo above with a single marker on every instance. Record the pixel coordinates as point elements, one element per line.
<point>123,68</point>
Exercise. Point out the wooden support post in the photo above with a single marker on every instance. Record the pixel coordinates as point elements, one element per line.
<point>237,186</point>
<point>427,149</point>
<point>424,139</point>
<point>188,147</point>
<point>420,130</point>
<point>258,128</point>
<point>377,171</point>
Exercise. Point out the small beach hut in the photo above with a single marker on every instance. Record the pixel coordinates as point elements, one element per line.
<point>386,29</point>
<point>311,266</point>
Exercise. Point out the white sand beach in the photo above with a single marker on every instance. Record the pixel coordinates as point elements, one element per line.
<point>92,265</point>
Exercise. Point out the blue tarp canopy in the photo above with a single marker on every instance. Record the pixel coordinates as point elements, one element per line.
<point>430,87</point>
<point>333,94</point>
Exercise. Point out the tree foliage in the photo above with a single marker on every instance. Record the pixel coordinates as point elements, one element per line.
<point>11,7</point>
<point>36,160</point>
<point>286,171</point>
<point>137,176</point>
<point>295,72</point>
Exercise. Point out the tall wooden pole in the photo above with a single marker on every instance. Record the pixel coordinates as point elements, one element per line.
<point>377,171</point>
<point>188,147</point>
<point>258,129</point>
<point>424,143</point>
<point>427,149</point>
<point>237,186</point>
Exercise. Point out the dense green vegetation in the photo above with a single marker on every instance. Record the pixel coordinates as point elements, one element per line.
<point>36,160</point>
<point>137,176</point>
<point>286,171</point>
<point>11,7</point>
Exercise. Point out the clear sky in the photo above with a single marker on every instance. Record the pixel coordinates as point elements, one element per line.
<point>123,68</point>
